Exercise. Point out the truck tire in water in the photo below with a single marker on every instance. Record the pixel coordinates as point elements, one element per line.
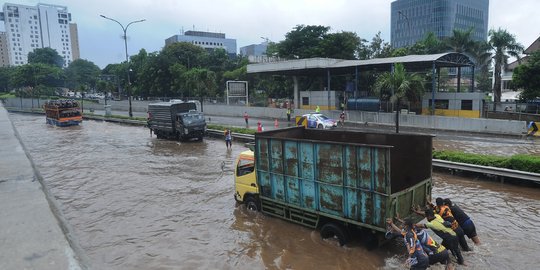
<point>331,229</point>
<point>370,239</point>
<point>252,204</point>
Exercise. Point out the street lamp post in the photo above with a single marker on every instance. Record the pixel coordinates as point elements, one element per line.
<point>127,57</point>
<point>409,34</point>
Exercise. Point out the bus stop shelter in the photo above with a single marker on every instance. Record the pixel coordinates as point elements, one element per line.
<point>329,66</point>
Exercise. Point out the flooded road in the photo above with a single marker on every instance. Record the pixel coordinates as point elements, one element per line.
<point>135,202</point>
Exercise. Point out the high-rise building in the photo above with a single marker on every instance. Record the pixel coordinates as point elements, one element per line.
<point>4,56</point>
<point>31,27</point>
<point>411,20</point>
<point>254,49</point>
<point>74,33</point>
<point>207,40</point>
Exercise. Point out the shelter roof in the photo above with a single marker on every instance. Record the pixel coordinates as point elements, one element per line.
<point>535,46</point>
<point>318,66</point>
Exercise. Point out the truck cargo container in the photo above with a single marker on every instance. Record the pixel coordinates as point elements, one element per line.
<point>343,183</point>
<point>176,120</point>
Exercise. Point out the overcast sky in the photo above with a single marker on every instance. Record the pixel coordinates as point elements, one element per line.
<point>248,21</point>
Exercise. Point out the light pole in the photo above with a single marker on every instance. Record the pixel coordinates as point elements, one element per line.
<point>127,57</point>
<point>409,34</point>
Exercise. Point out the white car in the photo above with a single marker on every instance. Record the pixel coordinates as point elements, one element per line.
<point>319,120</point>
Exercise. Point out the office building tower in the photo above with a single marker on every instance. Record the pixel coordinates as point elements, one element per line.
<point>411,20</point>
<point>4,56</point>
<point>254,49</point>
<point>206,40</point>
<point>32,27</point>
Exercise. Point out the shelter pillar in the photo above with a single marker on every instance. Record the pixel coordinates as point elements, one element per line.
<point>328,88</point>
<point>296,101</point>
<point>459,79</point>
<point>433,88</point>
<point>472,79</point>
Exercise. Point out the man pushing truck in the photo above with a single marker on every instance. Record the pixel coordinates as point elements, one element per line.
<point>343,183</point>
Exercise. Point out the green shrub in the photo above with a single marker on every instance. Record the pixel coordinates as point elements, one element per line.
<point>233,129</point>
<point>526,163</point>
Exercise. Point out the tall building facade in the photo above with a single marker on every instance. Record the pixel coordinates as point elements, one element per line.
<point>411,20</point>
<point>74,34</point>
<point>207,40</point>
<point>31,27</point>
<point>4,56</point>
<point>254,49</point>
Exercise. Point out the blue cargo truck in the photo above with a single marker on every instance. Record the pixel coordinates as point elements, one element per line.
<point>343,183</point>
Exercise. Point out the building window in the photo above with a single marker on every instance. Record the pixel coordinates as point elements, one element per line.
<point>466,105</point>
<point>441,104</point>
<point>305,101</point>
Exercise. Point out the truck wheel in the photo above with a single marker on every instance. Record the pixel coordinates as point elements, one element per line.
<point>370,239</point>
<point>252,204</point>
<point>335,230</point>
<point>320,126</point>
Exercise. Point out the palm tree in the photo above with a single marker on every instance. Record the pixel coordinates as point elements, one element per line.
<point>461,41</point>
<point>482,60</point>
<point>505,45</point>
<point>403,86</point>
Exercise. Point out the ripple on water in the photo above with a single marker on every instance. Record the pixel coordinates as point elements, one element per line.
<point>136,202</point>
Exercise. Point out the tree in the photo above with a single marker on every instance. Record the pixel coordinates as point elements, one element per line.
<point>45,56</point>
<point>81,74</point>
<point>36,79</point>
<point>342,45</point>
<point>375,49</point>
<point>302,42</point>
<point>32,75</point>
<point>402,87</point>
<point>527,77</point>
<point>186,54</point>
<point>482,59</point>
<point>380,48</point>
<point>200,82</point>
<point>429,45</point>
<point>461,41</point>
<point>6,73</point>
<point>505,45</point>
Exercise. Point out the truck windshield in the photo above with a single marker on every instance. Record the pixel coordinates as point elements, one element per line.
<point>192,118</point>
<point>245,166</point>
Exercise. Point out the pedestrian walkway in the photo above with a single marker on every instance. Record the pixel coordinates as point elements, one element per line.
<point>30,233</point>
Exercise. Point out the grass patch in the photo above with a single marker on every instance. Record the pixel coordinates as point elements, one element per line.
<point>527,163</point>
<point>233,129</point>
<point>117,116</point>
<point>7,95</point>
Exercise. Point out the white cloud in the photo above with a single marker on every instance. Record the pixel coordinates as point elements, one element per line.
<point>249,20</point>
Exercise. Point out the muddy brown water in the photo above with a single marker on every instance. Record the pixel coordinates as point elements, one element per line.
<point>136,202</point>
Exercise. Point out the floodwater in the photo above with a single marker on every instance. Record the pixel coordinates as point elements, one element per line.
<point>488,145</point>
<point>136,202</point>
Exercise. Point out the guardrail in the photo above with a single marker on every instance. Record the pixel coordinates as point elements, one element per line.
<point>237,136</point>
<point>500,173</point>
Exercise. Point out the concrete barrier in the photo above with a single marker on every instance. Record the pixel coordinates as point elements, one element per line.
<point>481,125</point>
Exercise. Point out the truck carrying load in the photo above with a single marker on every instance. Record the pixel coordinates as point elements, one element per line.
<point>176,120</point>
<point>341,182</point>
